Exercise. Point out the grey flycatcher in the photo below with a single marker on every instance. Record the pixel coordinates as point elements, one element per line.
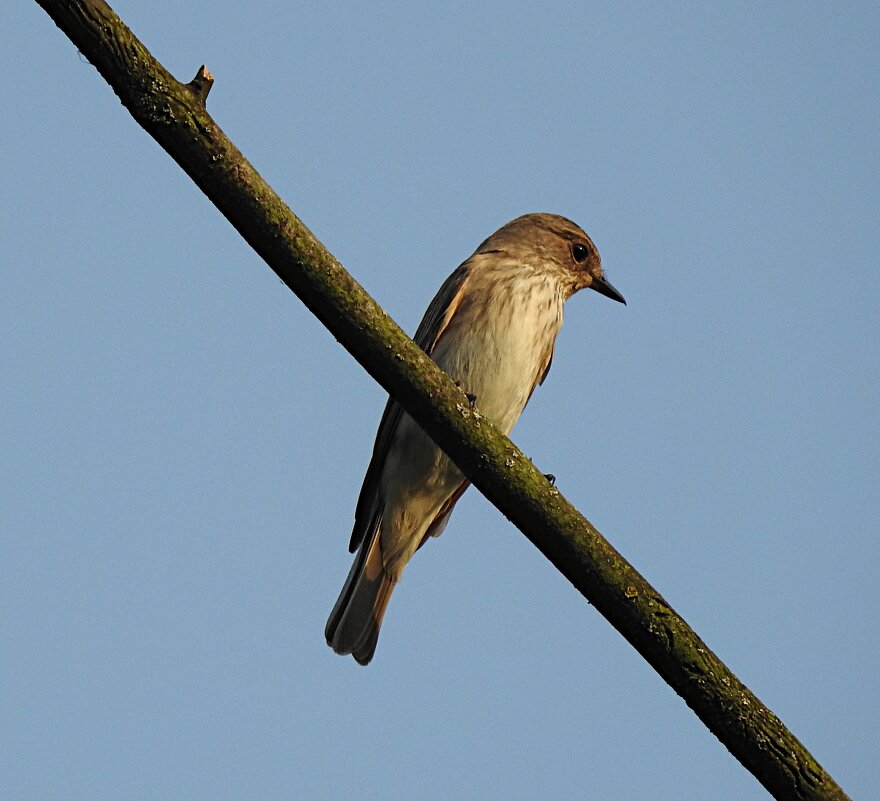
<point>491,327</point>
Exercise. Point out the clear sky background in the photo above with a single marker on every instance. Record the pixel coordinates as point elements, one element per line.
<point>183,443</point>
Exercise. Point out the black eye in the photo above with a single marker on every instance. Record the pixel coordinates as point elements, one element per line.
<point>579,252</point>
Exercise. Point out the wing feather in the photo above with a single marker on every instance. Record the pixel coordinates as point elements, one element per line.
<point>433,325</point>
<point>543,370</point>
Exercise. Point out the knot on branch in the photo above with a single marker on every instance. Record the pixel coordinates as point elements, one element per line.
<point>202,84</point>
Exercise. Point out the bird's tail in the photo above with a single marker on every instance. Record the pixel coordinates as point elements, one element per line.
<point>353,626</point>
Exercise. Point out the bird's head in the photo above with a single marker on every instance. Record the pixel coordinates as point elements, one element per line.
<point>550,241</point>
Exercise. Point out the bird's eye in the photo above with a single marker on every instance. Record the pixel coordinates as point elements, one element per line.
<point>579,252</point>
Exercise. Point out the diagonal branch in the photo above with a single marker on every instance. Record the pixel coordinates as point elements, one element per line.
<point>174,115</point>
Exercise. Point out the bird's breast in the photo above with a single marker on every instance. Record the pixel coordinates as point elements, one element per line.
<point>499,343</point>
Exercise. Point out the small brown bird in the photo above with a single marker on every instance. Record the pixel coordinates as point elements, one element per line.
<point>491,327</point>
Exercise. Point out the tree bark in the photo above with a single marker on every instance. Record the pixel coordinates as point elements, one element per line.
<point>174,114</point>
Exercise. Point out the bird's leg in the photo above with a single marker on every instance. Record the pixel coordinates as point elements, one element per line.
<point>472,399</point>
<point>549,476</point>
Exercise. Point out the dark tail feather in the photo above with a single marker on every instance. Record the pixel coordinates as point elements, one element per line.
<point>353,626</point>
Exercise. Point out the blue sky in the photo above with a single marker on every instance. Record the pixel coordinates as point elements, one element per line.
<point>184,442</point>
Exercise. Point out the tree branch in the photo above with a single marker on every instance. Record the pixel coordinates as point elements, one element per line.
<point>174,114</point>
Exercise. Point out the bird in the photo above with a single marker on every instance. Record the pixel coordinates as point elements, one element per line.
<point>492,328</point>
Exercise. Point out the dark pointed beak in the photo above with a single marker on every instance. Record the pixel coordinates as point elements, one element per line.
<point>603,287</point>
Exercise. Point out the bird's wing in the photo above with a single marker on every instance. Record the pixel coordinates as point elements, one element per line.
<point>543,370</point>
<point>442,308</point>
<point>368,512</point>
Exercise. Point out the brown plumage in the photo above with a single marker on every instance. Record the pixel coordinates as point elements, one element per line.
<point>492,328</point>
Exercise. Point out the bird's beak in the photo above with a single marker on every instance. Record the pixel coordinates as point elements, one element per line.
<point>603,287</point>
